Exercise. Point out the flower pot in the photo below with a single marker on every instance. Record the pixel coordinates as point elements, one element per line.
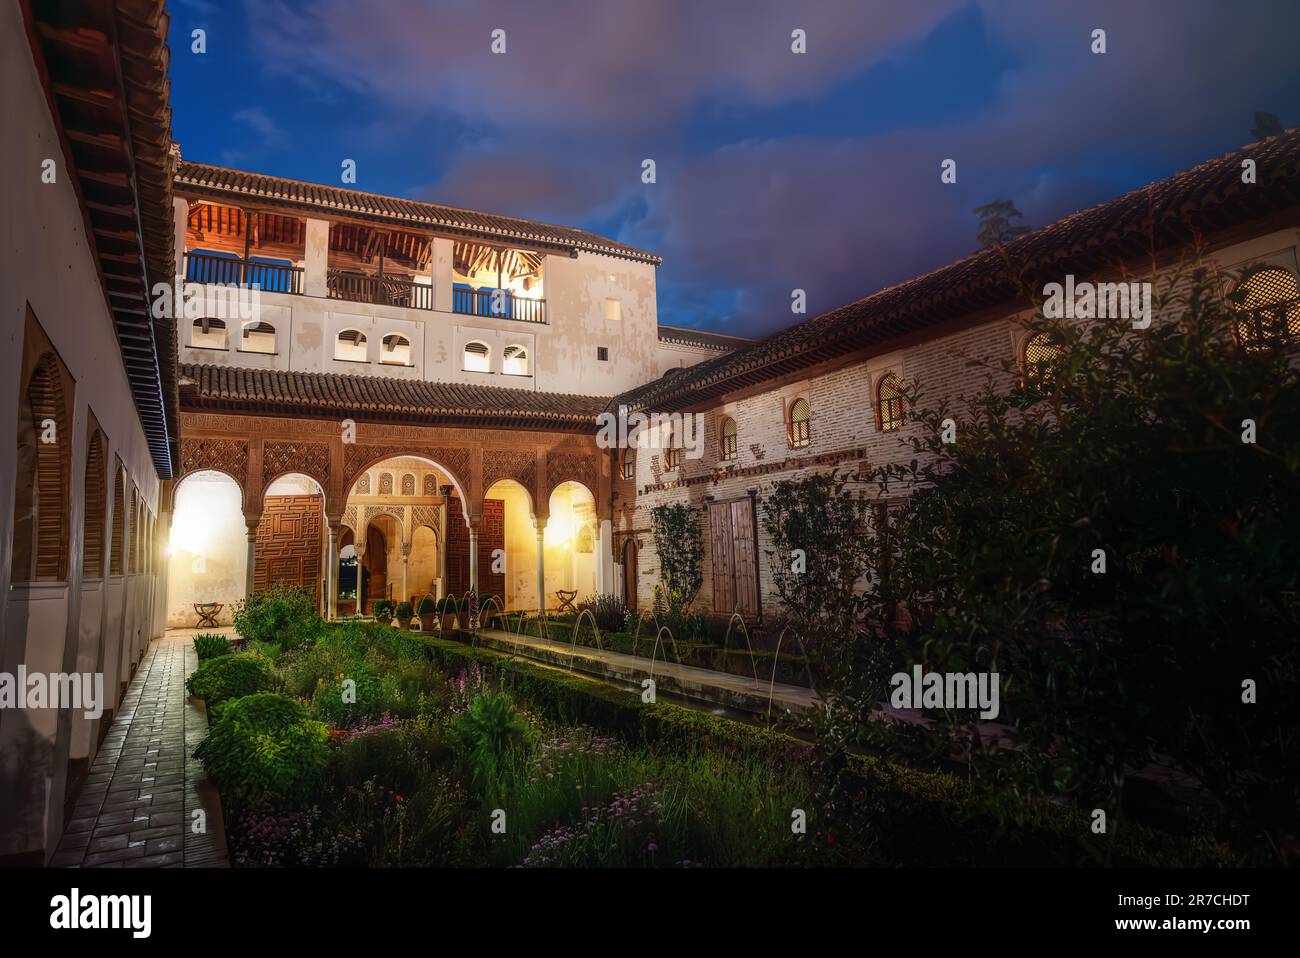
<point>448,621</point>
<point>429,622</point>
<point>404,622</point>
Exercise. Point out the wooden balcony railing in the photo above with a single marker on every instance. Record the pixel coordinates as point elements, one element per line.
<point>270,277</point>
<point>501,304</point>
<point>385,290</point>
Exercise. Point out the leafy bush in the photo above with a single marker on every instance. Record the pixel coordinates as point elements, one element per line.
<point>382,609</point>
<point>404,610</point>
<point>427,606</point>
<point>209,646</point>
<point>230,677</point>
<point>265,751</point>
<point>359,684</point>
<point>487,731</point>
<point>282,614</point>
<point>608,610</point>
<point>679,544</point>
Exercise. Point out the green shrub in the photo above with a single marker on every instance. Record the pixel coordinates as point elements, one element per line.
<point>209,646</point>
<point>488,731</point>
<point>230,677</point>
<point>265,751</point>
<point>608,611</point>
<point>427,606</point>
<point>382,609</point>
<point>360,684</point>
<point>282,614</point>
<point>404,610</point>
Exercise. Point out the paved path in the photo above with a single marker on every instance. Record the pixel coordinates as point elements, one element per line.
<point>137,806</point>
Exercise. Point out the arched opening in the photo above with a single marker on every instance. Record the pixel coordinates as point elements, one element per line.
<point>891,403</point>
<point>1267,306</point>
<point>208,333</point>
<point>395,350</point>
<point>95,494</point>
<point>258,337</point>
<point>570,542</point>
<point>727,439</point>
<point>207,552</point>
<point>117,548</point>
<point>40,551</point>
<point>351,346</point>
<point>799,425</point>
<point>508,525</point>
<point>514,361</point>
<point>477,358</point>
<point>381,535</point>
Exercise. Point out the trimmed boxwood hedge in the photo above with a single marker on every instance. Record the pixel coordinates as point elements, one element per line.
<point>939,819</point>
<point>227,677</point>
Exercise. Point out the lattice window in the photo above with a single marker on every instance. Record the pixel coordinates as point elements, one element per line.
<point>408,484</point>
<point>799,425</point>
<point>385,483</point>
<point>430,485</point>
<point>727,439</point>
<point>363,484</point>
<point>92,536</point>
<point>1041,362</point>
<point>1267,305</point>
<point>891,405</point>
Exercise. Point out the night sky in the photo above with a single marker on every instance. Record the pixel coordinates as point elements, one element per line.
<point>775,170</point>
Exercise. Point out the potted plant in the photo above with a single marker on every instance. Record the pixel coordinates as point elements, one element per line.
<point>405,612</point>
<point>428,614</point>
<point>383,610</point>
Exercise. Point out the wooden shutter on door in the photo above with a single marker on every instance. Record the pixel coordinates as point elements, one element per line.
<point>744,562</point>
<point>491,536</point>
<point>457,550</point>
<point>724,599</point>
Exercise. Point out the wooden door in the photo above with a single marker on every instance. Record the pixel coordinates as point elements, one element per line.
<point>734,559</point>
<point>491,535</point>
<point>288,545</point>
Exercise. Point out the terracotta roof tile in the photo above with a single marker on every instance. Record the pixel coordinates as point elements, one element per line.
<point>381,398</point>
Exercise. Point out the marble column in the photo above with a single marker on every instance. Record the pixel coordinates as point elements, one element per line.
<point>540,526</point>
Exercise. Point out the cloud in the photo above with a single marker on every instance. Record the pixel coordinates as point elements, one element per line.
<point>263,124</point>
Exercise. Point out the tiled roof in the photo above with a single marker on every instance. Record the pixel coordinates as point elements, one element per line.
<point>379,398</point>
<point>686,336</point>
<point>223,183</point>
<point>1170,213</point>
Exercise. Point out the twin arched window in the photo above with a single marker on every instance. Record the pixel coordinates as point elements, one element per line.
<point>891,404</point>
<point>1267,305</point>
<point>799,424</point>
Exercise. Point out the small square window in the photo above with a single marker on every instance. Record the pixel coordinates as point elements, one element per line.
<point>602,354</point>
<point>613,310</point>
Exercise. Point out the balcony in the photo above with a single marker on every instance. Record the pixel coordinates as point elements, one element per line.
<point>497,303</point>
<point>358,287</point>
<point>268,275</point>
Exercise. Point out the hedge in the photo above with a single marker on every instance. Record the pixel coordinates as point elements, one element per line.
<point>935,818</point>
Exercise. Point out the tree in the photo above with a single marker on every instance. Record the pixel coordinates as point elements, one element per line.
<point>1266,125</point>
<point>680,546</point>
<point>995,223</point>
<point>1175,456</point>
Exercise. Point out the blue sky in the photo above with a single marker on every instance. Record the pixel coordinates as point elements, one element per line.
<point>775,171</point>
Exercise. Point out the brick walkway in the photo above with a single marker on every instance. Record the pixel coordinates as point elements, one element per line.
<point>137,806</point>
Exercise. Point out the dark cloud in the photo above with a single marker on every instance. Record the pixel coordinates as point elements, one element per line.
<point>588,89</point>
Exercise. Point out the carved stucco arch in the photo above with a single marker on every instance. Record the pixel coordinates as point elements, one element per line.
<point>357,459</point>
<point>227,456</point>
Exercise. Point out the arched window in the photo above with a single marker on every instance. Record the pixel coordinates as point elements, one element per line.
<point>891,405</point>
<point>478,357</point>
<point>385,483</point>
<point>1041,361</point>
<point>672,455</point>
<point>727,439</point>
<point>208,333</point>
<point>799,425</point>
<point>116,562</point>
<point>514,361</point>
<point>259,337</point>
<point>627,463</point>
<point>396,350</point>
<point>1267,305</point>
<point>92,514</point>
<point>363,484</point>
<point>41,497</point>
<point>351,346</point>
<point>408,484</point>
